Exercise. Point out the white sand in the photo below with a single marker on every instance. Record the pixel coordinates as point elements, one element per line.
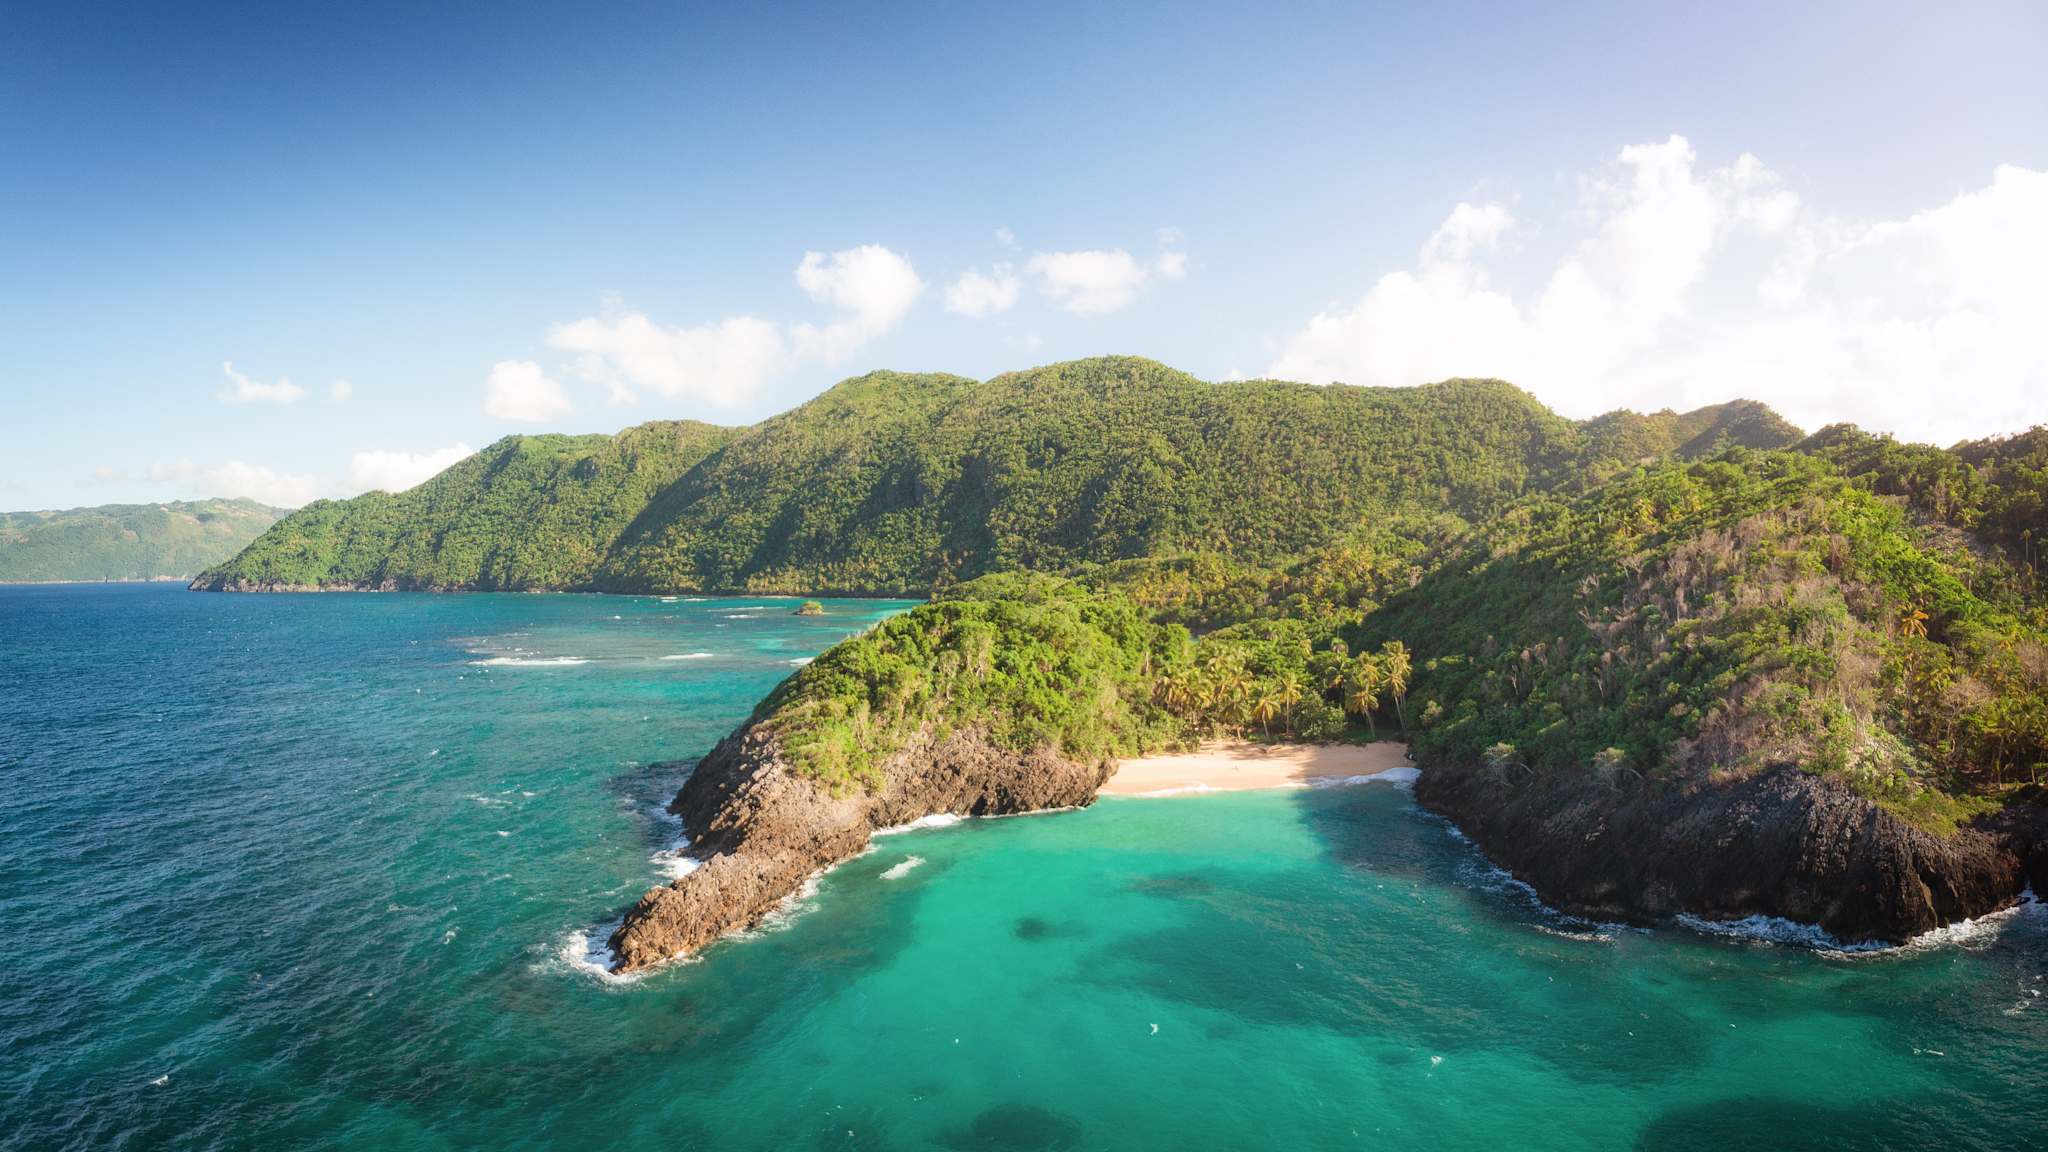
<point>1233,766</point>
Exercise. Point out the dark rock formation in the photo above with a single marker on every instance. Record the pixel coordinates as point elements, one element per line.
<point>761,829</point>
<point>1780,843</point>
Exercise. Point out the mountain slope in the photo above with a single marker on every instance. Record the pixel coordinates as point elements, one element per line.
<point>1733,613</point>
<point>899,483</point>
<point>526,512</point>
<point>128,541</point>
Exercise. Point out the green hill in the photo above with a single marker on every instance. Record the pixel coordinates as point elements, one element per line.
<point>527,512</point>
<point>902,483</point>
<point>1729,614</point>
<point>128,541</point>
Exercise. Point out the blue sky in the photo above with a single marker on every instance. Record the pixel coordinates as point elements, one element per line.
<point>499,218</point>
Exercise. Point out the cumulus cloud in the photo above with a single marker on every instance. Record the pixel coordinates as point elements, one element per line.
<point>398,471</point>
<point>242,390</point>
<point>341,390</point>
<point>726,363</point>
<point>234,478</point>
<point>257,482</point>
<point>874,284</point>
<point>1688,287</point>
<point>1097,281</point>
<point>976,294</point>
<point>519,390</point>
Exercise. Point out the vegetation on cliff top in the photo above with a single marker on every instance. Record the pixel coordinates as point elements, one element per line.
<point>1031,660</point>
<point>1724,615</point>
<point>128,541</point>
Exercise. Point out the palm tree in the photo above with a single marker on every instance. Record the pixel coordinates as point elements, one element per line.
<point>1177,690</point>
<point>1289,692</point>
<point>1264,709</point>
<point>1362,689</point>
<point>1395,666</point>
<point>1229,688</point>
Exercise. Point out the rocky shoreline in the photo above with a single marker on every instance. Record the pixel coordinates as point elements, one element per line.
<point>1782,843</point>
<point>761,830</point>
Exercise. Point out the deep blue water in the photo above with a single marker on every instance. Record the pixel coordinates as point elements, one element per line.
<point>321,871</point>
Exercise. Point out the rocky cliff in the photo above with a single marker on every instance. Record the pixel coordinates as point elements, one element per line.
<point>762,830</point>
<point>1782,843</point>
<point>1779,843</point>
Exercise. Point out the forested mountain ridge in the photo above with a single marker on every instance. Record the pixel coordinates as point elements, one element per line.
<point>526,512</point>
<point>175,538</point>
<point>895,483</point>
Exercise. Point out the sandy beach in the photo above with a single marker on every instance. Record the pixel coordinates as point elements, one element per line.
<point>1236,765</point>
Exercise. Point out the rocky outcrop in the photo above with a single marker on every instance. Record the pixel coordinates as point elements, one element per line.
<point>210,582</point>
<point>761,829</point>
<point>1779,843</point>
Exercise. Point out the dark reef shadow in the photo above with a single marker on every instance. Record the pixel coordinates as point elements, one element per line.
<point>1787,1125</point>
<point>646,789</point>
<point>1016,1128</point>
<point>1035,928</point>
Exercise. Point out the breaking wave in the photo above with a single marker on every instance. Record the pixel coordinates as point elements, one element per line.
<point>935,820</point>
<point>900,870</point>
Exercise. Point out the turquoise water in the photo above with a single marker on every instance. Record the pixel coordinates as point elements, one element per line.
<point>310,872</point>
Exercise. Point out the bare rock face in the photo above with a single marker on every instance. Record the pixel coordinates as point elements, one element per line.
<point>1780,843</point>
<point>761,829</point>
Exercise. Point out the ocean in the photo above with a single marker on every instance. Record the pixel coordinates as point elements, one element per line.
<point>326,871</point>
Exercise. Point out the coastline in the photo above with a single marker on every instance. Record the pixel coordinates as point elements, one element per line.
<point>1240,765</point>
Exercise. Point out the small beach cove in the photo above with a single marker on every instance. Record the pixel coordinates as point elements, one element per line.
<point>1241,765</point>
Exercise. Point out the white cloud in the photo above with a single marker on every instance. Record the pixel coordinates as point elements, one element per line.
<point>1098,281</point>
<point>728,362</point>
<point>519,390</point>
<point>257,482</point>
<point>1088,283</point>
<point>723,363</point>
<point>242,390</point>
<point>1006,238</point>
<point>234,478</point>
<point>1690,288</point>
<point>341,391</point>
<point>975,294</point>
<point>876,285</point>
<point>398,471</point>
<point>1468,228</point>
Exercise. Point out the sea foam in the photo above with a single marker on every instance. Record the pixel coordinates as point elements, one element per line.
<point>690,656</point>
<point>900,870</point>
<point>530,662</point>
<point>935,820</point>
<point>584,953</point>
<point>1400,776</point>
<point>1965,933</point>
